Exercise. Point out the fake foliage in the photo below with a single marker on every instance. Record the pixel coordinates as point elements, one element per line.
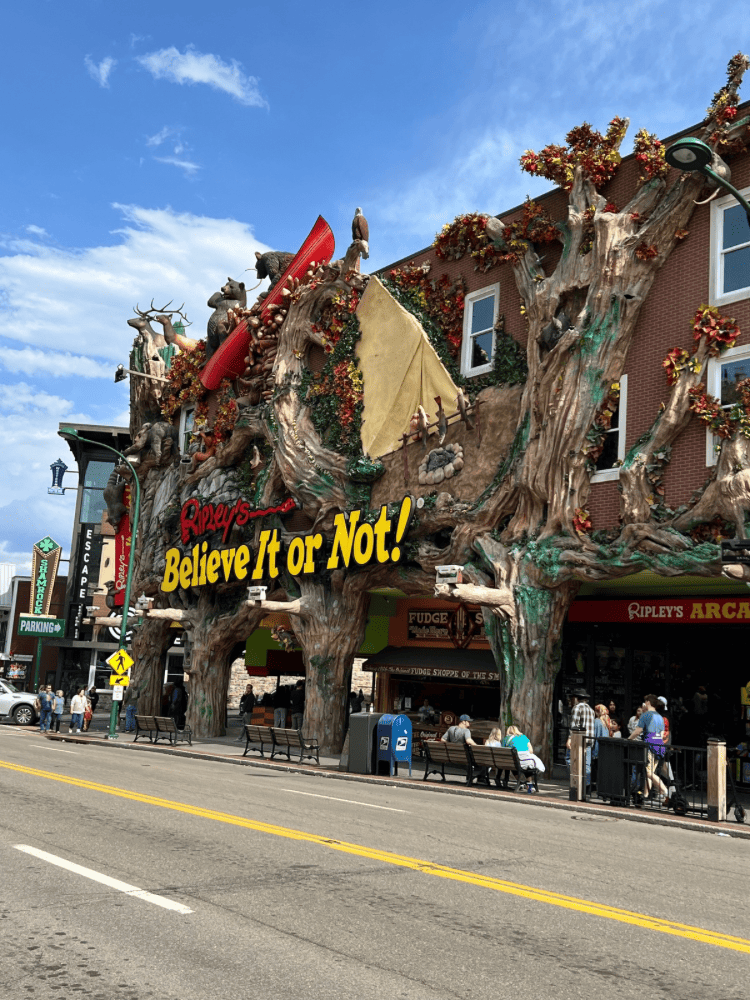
<point>185,386</point>
<point>597,154</point>
<point>468,234</point>
<point>719,334</point>
<point>435,302</point>
<point>334,395</point>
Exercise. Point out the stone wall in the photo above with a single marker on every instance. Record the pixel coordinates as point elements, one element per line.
<point>239,679</point>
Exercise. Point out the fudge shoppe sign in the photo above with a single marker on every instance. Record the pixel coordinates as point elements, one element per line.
<point>355,542</point>
<point>440,625</point>
<point>693,611</point>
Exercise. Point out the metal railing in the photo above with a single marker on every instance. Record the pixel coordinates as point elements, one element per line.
<point>629,773</point>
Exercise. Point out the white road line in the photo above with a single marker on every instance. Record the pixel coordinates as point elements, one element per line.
<point>113,883</point>
<point>58,750</point>
<point>351,802</point>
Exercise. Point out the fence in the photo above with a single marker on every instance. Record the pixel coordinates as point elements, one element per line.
<point>686,780</point>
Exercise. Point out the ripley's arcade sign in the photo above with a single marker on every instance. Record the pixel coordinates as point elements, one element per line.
<point>355,541</point>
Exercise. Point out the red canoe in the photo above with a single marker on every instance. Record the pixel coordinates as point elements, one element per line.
<point>229,360</point>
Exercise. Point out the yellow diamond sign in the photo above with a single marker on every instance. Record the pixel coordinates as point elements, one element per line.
<point>119,679</point>
<point>121,661</point>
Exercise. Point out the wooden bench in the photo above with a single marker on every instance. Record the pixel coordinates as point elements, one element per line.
<point>167,728</point>
<point>438,754</point>
<point>286,740</point>
<point>505,759</point>
<point>262,735</point>
<point>145,724</point>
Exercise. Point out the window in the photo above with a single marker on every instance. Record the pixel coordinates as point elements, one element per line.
<point>187,421</point>
<point>613,452</point>
<point>722,376</point>
<point>92,501</point>
<point>730,251</point>
<point>480,316</point>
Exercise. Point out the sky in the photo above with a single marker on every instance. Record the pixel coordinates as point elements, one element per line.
<point>152,148</point>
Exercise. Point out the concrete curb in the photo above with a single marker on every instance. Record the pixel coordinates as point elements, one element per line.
<point>582,810</point>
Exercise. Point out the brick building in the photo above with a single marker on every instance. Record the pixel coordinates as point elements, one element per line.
<point>642,632</point>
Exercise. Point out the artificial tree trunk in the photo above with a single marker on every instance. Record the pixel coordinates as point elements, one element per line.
<point>150,642</point>
<point>212,636</point>
<point>330,627</point>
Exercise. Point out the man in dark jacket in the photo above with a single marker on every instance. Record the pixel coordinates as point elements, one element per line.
<point>297,704</point>
<point>247,704</point>
<point>280,705</point>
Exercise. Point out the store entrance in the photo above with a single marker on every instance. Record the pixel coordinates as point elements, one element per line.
<point>699,669</point>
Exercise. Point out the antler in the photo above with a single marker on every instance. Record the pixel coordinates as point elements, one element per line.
<point>153,309</point>
<point>179,312</point>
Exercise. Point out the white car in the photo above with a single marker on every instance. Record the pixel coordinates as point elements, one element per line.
<point>17,705</point>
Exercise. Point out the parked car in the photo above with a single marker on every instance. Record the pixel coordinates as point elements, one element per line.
<point>17,705</point>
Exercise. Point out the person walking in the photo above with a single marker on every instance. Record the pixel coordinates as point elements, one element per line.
<point>77,708</point>
<point>297,704</point>
<point>57,711</point>
<point>582,717</point>
<point>46,703</point>
<point>651,727</point>
<point>87,714</point>
<point>93,697</point>
<point>247,704</point>
<point>130,700</point>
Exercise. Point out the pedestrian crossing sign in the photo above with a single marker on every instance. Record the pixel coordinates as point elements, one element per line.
<point>120,662</point>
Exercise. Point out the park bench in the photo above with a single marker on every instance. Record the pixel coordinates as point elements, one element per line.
<point>286,740</point>
<point>167,728</point>
<point>145,725</point>
<point>262,735</point>
<point>506,760</point>
<point>438,754</point>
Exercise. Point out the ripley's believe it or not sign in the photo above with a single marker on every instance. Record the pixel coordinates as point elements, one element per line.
<point>355,542</point>
<point>45,558</point>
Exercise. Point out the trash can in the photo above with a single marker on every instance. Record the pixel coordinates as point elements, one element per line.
<point>394,741</point>
<point>363,727</point>
<point>622,765</point>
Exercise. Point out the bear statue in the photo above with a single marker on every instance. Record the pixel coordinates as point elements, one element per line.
<point>271,265</point>
<point>231,296</point>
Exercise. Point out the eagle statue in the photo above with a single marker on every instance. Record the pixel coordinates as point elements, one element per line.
<point>361,231</point>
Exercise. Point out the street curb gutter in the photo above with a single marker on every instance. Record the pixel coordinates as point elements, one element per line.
<point>584,810</point>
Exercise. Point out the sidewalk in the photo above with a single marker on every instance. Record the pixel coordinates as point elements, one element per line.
<point>553,790</point>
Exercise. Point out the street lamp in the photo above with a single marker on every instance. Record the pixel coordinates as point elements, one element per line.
<point>694,155</point>
<point>71,433</point>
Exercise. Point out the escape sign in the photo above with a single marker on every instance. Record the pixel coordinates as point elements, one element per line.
<point>355,542</point>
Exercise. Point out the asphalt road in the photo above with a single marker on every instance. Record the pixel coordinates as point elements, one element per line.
<point>298,886</point>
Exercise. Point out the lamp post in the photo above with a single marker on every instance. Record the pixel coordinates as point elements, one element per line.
<point>71,432</point>
<point>692,154</point>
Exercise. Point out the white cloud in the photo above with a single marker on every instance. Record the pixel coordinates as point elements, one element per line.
<point>481,175</point>
<point>91,292</point>
<point>162,135</point>
<point>31,361</point>
<point>100,72</point>
<point>199,67</point>
<point>37,231</point>
<point>188,166</point>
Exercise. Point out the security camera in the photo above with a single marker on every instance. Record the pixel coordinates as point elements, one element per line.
<point>448,574</point>
<point>256,594</point>
<point>120,374</point>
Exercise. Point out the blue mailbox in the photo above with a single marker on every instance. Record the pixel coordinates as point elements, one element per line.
<point>394,740</point>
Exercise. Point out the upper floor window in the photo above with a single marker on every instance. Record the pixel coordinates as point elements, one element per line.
<point>92,499</point>
<point>723,375</point>
<point>730,251</point>
<point>480,316</point>
<point>613,452</point>
<point>187,422</point>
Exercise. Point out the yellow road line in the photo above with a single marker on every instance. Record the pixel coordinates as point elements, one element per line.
<point>426,867</point>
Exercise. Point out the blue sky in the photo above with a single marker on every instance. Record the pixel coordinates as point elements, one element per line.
<point>150,149</point>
